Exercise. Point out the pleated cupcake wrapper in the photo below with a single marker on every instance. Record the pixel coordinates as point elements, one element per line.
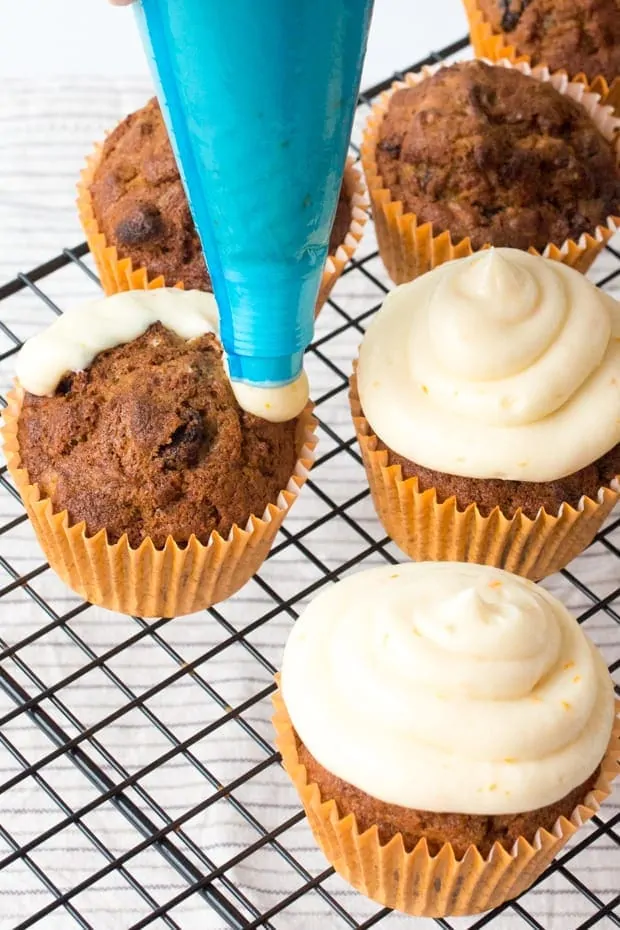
<point>417,882</point>
<point>496,46</point>
<point>148,581</point>
<point>429,530</point>
<point>410,248</point>
<point>118,274</point>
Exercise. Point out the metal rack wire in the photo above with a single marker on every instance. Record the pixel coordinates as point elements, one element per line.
<point>190,822</point>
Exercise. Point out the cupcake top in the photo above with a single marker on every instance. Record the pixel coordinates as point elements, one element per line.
<point>501,365</point>
<point>448,687</point>
<point>576,35</point>
<point>490,153</point>
<point>141,207</point>
<point>129,422</point>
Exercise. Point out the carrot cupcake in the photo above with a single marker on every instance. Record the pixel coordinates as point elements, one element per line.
<point>476,155</point>
<point>150,489</point>
<point>133,204</point>
<point>580,37</point>
<point>448,727</point>
<point>487,406</point>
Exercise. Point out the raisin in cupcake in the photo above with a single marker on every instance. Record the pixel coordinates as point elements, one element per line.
<point>137,220</point>
<point>579,37</point>
<point>151,491</point>
<point>448,727</point>
<point>475,154</point>
<point>486,402</point>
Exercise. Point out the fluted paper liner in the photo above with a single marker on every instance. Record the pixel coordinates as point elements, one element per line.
<point>417,882</point>
<point>410,248</point>
<point>147,581</point>
<point>497,46</point>
<point>427,529</point>
<point>118,274</point>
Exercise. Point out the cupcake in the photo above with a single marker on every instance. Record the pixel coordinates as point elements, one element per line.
<point>151,491</point>
<point>137,219</point>
<point>476,155</point>
<point>486,402</point>
<point>580,37</point>
<point>448,727</point>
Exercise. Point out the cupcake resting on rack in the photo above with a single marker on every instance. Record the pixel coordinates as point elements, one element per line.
<point>448,727</point>
<point>476,154</point>
<point>486,401</point>
<point>149,487</point>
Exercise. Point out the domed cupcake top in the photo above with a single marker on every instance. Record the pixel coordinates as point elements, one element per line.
<point>448,687</point>
<point>501,365</point>
<point>75,339</point>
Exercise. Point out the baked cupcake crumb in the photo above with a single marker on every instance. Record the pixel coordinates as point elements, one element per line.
<point>151,442</point>
<point>490,153</point>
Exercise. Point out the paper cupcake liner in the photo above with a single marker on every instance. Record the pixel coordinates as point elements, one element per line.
<point>147,581</point>
<point>417,882</point>
<point>118,274</point>
<point>497,46</point>
<point>410,248</point>
<point>429,530</point>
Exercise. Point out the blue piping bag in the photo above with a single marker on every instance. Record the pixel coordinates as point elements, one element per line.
<point>259,97</point>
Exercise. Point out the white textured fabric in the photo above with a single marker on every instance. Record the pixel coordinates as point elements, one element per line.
<point>44,132</point>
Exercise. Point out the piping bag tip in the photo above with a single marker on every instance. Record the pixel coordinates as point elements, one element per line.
<point>276,403</point>
<point>259,101</point>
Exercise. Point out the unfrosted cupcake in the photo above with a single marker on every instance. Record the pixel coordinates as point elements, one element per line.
<point>448,727</point>
<point>580,37</point>
<point>477,154</point>
<point>487,405</point>
<point>149,487</point>
<point>137,219</point>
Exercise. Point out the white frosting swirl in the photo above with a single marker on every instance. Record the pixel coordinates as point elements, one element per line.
<point>73,341</point>
<point>448,687</point>
<point>501,365</point>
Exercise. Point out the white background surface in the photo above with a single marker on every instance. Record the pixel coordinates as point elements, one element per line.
<point>86,37</point>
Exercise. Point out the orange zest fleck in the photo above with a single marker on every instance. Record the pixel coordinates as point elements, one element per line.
<point>425,389</point>
<point>576,679</point>
<point>568,665</point>
<point>495,584</point>
<point>566,705</point>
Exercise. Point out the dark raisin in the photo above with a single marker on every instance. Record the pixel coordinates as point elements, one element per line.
<point>184,446</point>
<point>143,224</point>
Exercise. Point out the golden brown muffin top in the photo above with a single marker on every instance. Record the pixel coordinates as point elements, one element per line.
<point>141,207</point>
<point>574,35</point>
<point>151,442</point>
<point>493,154</point>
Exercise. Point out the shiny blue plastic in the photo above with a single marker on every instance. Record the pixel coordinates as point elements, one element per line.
<point>259,97</point>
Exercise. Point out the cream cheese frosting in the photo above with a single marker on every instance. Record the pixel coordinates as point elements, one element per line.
<point>73,341</point>
<point>500,365</point>
<point>448,687</point>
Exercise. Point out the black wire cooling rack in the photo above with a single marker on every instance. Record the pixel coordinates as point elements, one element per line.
<point>139,783</point>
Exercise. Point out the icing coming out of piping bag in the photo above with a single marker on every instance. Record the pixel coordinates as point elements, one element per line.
<point>259,100</point>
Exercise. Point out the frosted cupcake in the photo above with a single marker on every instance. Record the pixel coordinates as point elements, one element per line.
<point>150,489</point>
<point>487,406</point>
<point>448,727</point>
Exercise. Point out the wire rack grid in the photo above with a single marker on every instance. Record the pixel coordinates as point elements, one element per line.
<point>139,786</point>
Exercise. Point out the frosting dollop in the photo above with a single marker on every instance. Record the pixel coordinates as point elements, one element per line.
<point>500,365</point>
<point>73,341</point>
<point>448,687</point>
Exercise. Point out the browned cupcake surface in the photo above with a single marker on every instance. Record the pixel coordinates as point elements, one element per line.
<point>141,208</point>
<point>460,830</point>
<point>574,35</point>
<point>511,496</point>
<point>490,153</point>
<point>151,442</point>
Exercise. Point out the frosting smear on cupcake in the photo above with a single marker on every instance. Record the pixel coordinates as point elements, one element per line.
<point>75,339</point>
<point>501,365</point>
<point>448,687</point>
